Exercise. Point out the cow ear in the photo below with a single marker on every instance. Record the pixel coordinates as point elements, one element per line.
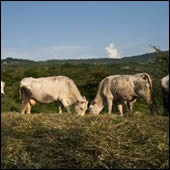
<point>84,98</point>
<point>144,77</point>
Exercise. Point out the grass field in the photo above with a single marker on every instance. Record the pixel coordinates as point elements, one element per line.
<point>50,140</point>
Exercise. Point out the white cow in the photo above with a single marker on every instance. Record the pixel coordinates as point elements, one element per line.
<point>123,89</point>
<point>50,89</point>
<point>165,92</point>
<point>2,88</point>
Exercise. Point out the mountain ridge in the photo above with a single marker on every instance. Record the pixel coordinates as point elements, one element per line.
<point>142,58</point>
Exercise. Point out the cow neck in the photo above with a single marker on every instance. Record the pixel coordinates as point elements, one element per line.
<point>78,96</point>
<point>99,101</point>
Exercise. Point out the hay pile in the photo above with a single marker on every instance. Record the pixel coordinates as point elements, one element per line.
<point>70,141</point>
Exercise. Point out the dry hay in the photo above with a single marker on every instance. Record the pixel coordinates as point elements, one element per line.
<point>70,141</point>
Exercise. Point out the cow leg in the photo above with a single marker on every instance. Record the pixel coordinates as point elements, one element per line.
<point>109,104</point>
<point>130,106</point>
<point>28,109</point>
<point>120,108</point>
<point>108,98</point>
<point>60,109</point>
<point>68,109</point>
<point>60,106</point>
<point>66,105</point>
<point>29,105</point>
<point>24,106</point>
<point>127,106</point>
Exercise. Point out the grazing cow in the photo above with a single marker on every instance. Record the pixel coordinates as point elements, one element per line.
<point>123,89</point>
<point>2,88</point>
<point>165,92</point>
<point>50,89</point>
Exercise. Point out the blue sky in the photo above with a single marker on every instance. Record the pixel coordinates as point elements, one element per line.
<point>42,30</point>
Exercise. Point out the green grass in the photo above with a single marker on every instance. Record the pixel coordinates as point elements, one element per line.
<point>70,141</point>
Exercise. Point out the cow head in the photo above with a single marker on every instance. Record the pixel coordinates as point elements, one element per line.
<point>143,88</point>
<point>94,108</point>
<point>2,88</point>
<point>81,106</point>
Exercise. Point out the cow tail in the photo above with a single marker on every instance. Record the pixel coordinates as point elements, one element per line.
<point>20,94</point>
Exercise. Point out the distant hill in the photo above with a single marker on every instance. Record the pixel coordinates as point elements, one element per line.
<point>11,60</point>
<point>142,59</point>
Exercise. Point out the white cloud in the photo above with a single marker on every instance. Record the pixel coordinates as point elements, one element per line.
<point>112,52</point>
<point>58,52</point>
